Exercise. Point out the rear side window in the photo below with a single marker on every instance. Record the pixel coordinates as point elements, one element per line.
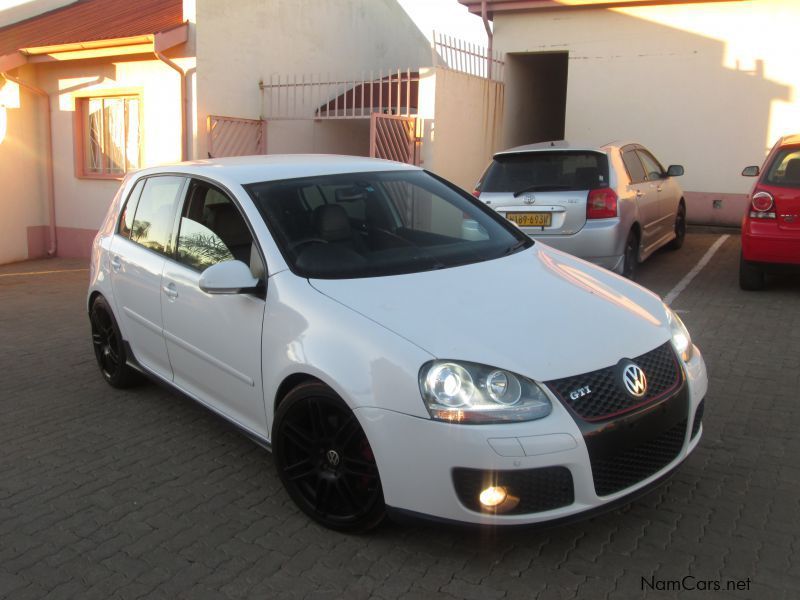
<point>126,221</point>
<point>633,166</point>
<point>155,213</point>
<point>543,171</point>
<point>785,168</point>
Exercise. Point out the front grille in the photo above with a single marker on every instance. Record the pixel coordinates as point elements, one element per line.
<point>617,472</point>
<point>608,398</point>
<point>698,418</point>
<point>537,489</point>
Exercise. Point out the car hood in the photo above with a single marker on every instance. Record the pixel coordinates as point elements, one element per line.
<point>540,312</point>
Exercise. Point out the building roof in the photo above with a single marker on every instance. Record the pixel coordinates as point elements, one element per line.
<point>503,6</point>
<point>92,20</point>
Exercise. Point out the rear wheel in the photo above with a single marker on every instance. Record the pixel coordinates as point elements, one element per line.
<point>631,257</point>
<point>680,228</point>
<point>109,349</point>
<point>750,276</point>
<point>324,460</point>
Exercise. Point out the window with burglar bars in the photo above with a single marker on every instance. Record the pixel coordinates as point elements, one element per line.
<point>110,136</point>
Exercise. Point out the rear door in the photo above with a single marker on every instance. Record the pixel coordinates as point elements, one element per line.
<point>667,191</point>
<point>544,192</point>
<point>782,180</point>
<point>646,193</point>
<point>214,341</point>
<point>137,262</point>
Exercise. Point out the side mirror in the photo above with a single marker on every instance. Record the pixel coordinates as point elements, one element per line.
<point>228,277</point>
<point>753,171</point>
<point>675,171</point>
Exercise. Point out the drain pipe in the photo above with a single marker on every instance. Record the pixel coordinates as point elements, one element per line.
<point>51,190</point>
<point>489,57</point>
<point>184,103</point>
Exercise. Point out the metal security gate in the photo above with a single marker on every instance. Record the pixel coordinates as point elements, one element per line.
<point>393,138</point>
<point>229,136</point>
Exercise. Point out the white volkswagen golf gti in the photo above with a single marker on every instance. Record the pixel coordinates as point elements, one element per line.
<point>399,346</point>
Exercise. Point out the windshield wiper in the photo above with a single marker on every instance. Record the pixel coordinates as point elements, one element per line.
<point>515,247</point>
<point>540,187</point>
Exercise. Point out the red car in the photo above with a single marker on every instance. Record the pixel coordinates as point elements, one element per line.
<point>771,225</point>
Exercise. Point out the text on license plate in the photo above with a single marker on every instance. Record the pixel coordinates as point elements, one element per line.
<point>530,219</point>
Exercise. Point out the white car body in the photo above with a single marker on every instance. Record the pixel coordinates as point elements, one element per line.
<point>547,315</point>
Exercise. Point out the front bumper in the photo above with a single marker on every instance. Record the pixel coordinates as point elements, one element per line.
<point>417,457</point>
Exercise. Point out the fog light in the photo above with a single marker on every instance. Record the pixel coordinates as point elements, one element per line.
<point>493,496</point>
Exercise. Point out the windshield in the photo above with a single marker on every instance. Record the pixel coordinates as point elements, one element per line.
<point>382,223</point>
<point>546,171</point>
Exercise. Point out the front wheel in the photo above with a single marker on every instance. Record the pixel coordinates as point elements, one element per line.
<point>751,278</point>
<point>631,257</point>
<point>109,349</point>
<point>325,461</point>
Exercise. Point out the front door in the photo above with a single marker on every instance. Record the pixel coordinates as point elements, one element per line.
<point>137,261</point>
<point>646,197</point>
<point>214,341</point>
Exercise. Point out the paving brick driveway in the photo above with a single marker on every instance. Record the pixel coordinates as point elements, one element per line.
<point>143,493</point>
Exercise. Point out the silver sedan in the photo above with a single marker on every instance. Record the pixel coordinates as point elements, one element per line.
<point>612,205</point>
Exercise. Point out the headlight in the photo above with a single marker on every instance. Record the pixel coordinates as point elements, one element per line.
<point>681,340</point>
<point>464,392</point>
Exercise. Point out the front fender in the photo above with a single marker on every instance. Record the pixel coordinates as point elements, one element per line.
<point>363,362</point>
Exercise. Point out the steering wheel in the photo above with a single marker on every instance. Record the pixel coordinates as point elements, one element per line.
<point>304,241</point>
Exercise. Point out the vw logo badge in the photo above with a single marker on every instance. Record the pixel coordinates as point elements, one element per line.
<point>529,198</point>
<point>634,380</point>
<point>333,458</point>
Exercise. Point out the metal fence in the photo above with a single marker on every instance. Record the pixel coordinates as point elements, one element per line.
<point>463,56</point>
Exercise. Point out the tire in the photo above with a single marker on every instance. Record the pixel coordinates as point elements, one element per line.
<point>109,349</point>
<point>631,256</point>
<point>751,278</point>
<point>680,228</point>
<point>325,462</point>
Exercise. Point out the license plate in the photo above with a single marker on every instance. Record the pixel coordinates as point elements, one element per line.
<point>530,219</point>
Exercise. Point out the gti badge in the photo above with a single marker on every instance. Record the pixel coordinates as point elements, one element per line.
<point>580,393</point>
<point>529,198</point>
<point>634,380</point>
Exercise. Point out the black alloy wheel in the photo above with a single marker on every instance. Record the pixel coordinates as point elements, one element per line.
<point>680,228</point>
<point>109,349</point>
<point>324,460</point>
<point>631,257</point>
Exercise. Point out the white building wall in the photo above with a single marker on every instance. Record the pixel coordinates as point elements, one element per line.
<point>709,85</point>
<point>242,43</point>
<point>464,130</point>
<point>22,169</point>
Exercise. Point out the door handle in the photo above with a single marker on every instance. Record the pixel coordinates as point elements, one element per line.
<point>658,189</point>
<point>639,193</point>
<point>170,291</point>
<point>116,263</point>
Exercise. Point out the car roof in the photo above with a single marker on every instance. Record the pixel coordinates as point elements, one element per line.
<point>273,167</point>
<point>556,145</point>
<point>789,140</point>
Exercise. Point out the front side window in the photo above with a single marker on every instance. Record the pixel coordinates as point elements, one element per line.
<point>155,213</point>
<point>785,168</point>
<point>652,167</point>
<point>110,136</point>
<point>212,229</point>
<point>546,171</point>
<point>381,223</point>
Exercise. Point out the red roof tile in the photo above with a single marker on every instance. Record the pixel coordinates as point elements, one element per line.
<point>90,20</point>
